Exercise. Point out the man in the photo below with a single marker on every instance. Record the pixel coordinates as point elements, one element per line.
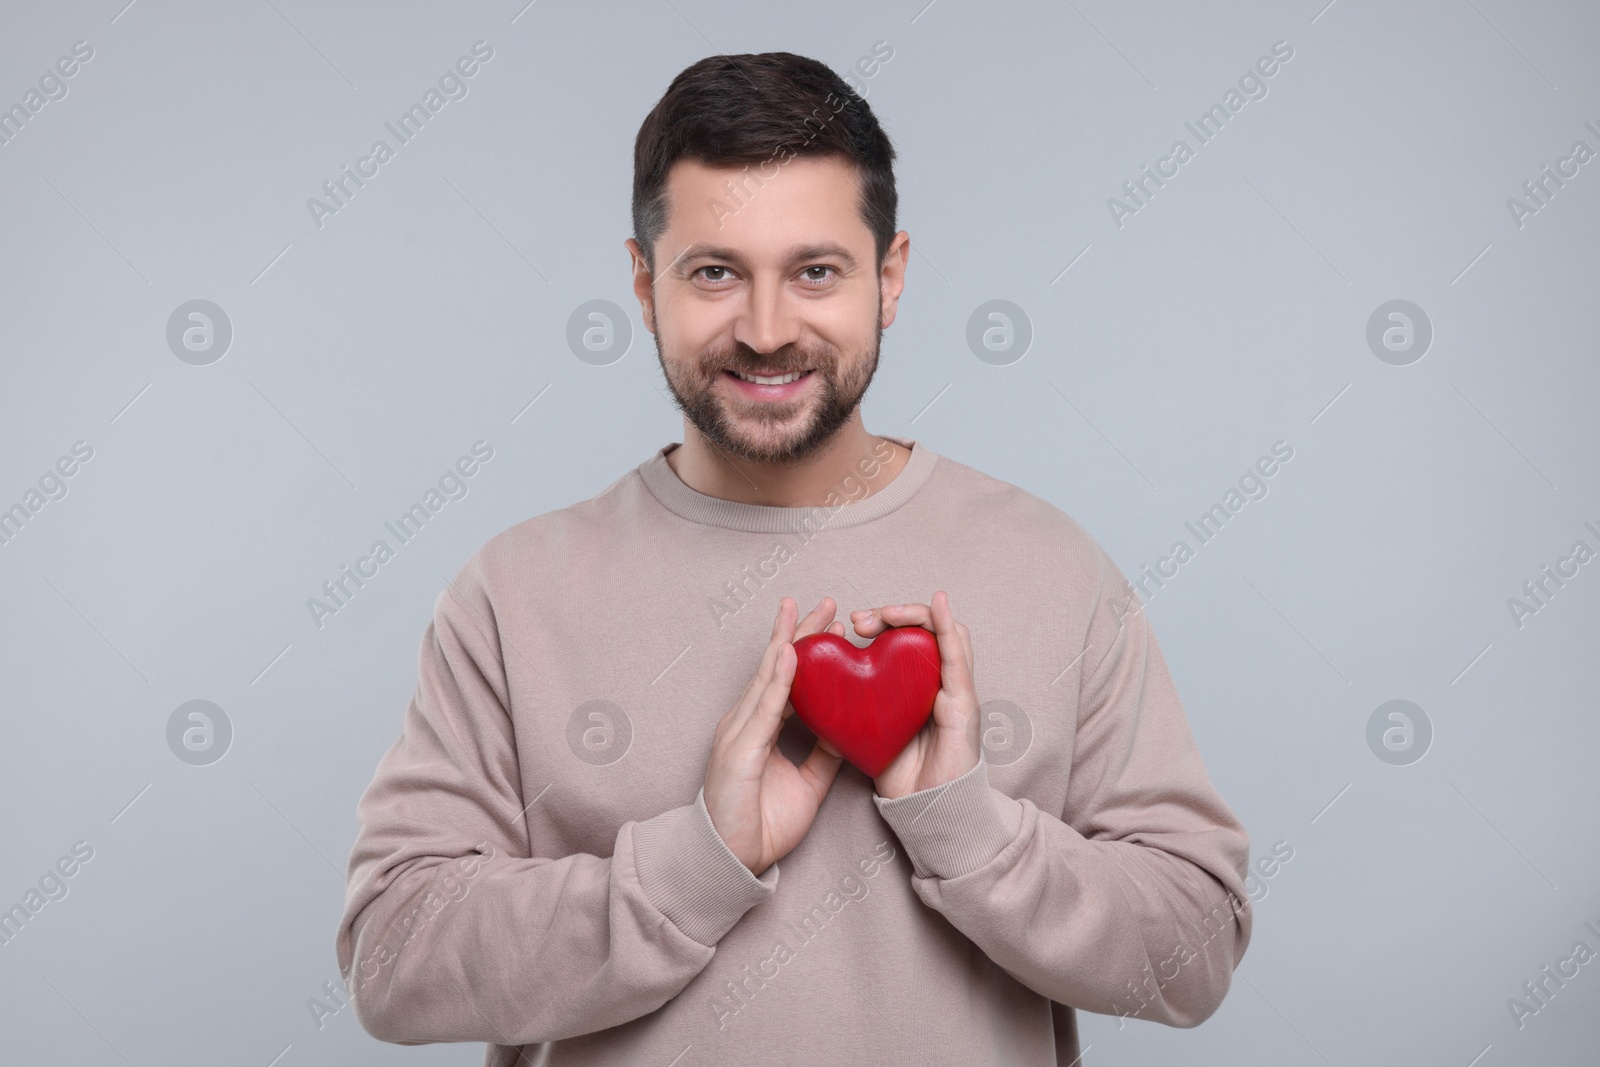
<point>602,837</point>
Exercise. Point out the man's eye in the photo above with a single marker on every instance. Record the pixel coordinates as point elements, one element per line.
<point>710,279</point>
<point>813,278</point>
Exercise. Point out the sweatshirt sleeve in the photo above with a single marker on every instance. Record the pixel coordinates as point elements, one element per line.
<point>1132,900</point>
<point>457,927</point>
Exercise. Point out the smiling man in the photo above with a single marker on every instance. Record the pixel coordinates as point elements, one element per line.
<point>774,335</point>
<point>602,836</point>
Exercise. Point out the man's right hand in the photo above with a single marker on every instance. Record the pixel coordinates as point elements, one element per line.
<point>760,803</point>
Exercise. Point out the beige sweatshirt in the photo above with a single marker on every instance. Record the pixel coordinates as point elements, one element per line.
<point>535,867</point>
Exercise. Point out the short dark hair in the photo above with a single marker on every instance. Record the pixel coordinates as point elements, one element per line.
<point>753,109</point>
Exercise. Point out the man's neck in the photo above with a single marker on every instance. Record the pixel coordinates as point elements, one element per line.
<point>834,471</point>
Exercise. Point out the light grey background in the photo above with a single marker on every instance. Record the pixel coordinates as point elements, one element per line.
<point>1228,313</point>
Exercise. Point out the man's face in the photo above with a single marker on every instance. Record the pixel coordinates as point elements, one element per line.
<point>767,272</point>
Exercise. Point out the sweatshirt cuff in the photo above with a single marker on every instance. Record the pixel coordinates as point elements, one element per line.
<point>955,828</point>
<point>691,876</point>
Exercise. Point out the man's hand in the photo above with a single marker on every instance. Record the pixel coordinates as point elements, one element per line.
<point>948,745</point>
<point>760,803</point>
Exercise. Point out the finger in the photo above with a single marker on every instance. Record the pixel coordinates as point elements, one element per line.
<point>836,628</point>
<point>955,671</point>
<point>782,628</point>
<point>748,700</point>
<point>866,622</point>
<point>871,622</point>
<point>820,768</point>
<point>760,729</point>
<point>788,610</point>
<point>818,619</point>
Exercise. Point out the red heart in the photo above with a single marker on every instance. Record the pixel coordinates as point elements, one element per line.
<point>866,702</point>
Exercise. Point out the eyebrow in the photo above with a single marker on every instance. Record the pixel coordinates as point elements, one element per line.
<point>793,255</point>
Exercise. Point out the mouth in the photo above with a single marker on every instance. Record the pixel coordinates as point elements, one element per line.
<point>770,386</point>
<point>769,379</point>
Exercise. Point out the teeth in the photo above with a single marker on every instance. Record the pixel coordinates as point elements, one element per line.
<point>783,379</point>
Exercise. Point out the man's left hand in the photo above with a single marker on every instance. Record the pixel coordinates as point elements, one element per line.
<point>948,744</point>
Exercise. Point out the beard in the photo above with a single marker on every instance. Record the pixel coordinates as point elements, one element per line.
<point>782,434</point>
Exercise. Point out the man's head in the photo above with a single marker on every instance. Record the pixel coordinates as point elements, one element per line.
<point>764,244</point>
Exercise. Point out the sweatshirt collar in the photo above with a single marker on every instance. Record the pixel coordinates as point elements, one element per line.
<point>686,503</point>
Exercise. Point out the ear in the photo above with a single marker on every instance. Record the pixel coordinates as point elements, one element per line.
<point>892,276</point>
<point>643,282</point>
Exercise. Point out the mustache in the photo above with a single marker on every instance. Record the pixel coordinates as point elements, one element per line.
<point>789,359</point>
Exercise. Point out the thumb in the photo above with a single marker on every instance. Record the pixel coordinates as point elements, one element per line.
<point>820,768</point>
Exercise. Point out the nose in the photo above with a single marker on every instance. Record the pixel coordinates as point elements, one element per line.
<point>767,321</point>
